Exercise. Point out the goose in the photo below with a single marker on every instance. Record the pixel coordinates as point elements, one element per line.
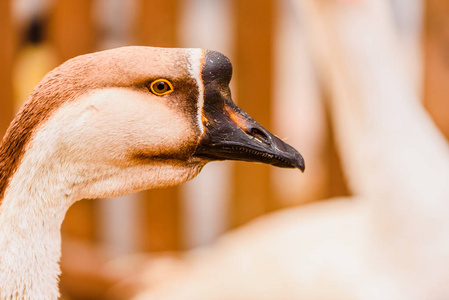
<point>107,124</point>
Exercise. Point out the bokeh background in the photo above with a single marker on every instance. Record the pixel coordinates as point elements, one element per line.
<point>274,80</point>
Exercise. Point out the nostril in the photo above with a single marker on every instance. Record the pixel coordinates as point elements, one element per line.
<point>259,134</point>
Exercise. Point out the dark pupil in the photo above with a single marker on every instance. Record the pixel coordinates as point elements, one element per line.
<point>161,87</point>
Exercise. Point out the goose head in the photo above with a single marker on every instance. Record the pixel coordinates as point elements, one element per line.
<point>108,124</point>
<point>134,118</point>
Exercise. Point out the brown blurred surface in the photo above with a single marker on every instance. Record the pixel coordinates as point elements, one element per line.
<point>71,29</point>
<point>436,62</point>
<point>7,37</point>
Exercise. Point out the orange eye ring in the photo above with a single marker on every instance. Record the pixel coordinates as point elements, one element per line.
<point>161,87</point>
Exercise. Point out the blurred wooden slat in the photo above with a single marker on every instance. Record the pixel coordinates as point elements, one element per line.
<point>253,71</point>
<point>71,28</point>
<point>157,23</point>
<point>156,26</point>
<point>436,62</point>
<point>6,59</point>
<point>336,181</point>
<point>71,33</point>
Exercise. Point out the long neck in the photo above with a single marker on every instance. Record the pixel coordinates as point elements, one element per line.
<point>31,215</point>
<point>393,154</point>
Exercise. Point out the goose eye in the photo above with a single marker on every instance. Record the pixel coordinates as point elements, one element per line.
<point>161,87</point>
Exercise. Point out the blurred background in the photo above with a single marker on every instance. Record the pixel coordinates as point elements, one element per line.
<point>274,81</point>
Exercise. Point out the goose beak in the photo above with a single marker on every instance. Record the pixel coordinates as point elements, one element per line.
<point>231,134</point>
<point>228,131</point>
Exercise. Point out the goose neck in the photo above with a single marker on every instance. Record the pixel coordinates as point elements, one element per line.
<point>31,216</point>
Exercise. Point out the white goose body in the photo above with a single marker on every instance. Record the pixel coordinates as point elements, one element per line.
<point>103,125</point>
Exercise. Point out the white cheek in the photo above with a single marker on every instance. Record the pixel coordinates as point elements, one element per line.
<point>108,124</point>
<point>89,143</point>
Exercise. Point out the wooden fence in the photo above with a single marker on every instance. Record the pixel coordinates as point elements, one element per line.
<point>70,28</point>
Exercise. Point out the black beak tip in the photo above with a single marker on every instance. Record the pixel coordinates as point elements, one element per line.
<point>299,163</point>
<point>291,156</point>
<point>295,160</point>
